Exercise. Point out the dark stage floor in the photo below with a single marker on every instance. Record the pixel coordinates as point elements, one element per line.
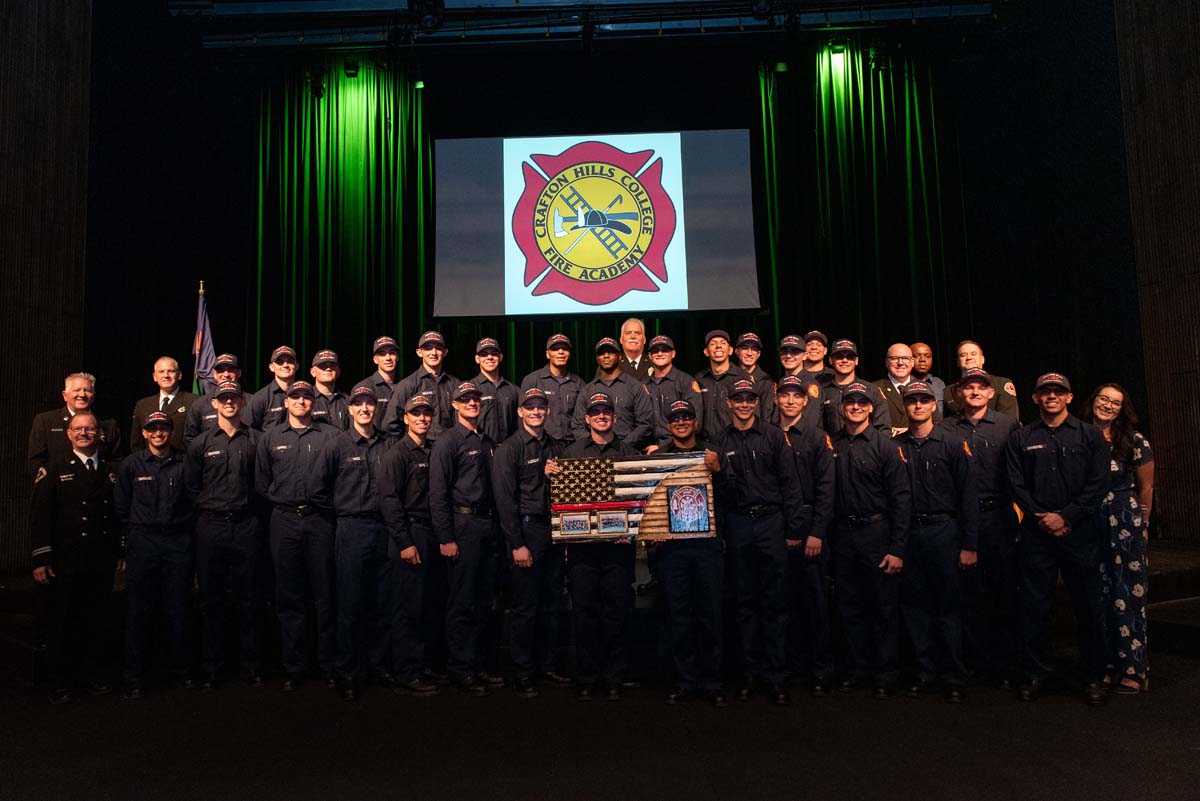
<point>240,743</point>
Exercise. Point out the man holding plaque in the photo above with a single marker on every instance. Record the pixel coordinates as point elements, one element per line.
<point>763,514</point>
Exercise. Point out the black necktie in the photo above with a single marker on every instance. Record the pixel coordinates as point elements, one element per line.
<point>162,404</point>
<point>91,467</point>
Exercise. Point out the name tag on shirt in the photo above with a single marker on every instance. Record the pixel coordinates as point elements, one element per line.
<point>213,453</point>
<point>283,447</point>
<point>67,477</point>
<point>145,478</point>
<point>1034,447</point>
<point>533,461</point>
<point>473,453</point>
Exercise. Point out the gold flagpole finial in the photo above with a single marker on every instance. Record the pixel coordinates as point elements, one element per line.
<point>201,287</point>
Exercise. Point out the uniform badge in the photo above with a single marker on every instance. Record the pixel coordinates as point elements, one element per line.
<point>900,451</point>
<point>696,386</point>
<point>828,442</point>
<point>967,448</point>
<point>182,410</point>
<point>1010,389</point>
<point>814,391</point>
<point>596,221</point>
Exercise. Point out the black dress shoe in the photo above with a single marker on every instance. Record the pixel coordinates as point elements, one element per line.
<point>60,695</point>
<point>186,682</point>
<point>349,691</point>
<point>133,693</point>
<point>717,699</point>
<point>651,587</point>
<point>746,691</point>
<point>780,695</point>
<point>435,677</point>
<point>584,693</point>
<point>819,687</point>
<point>293,682</point>
<point>556,678</point>
<point>383,679</point>
<point>629,684</point>
<point>674,696</point>
<point>917,688</point>
<point>955,694</point>
<point>255,678</point>
<point>208,683</point>
<point>417,686</point>
<point>470,685</point>
<point>1093,694</point>
<point>1005,684</point>
<point>488,680</point>
<point>99,688</point>
<point>524,687</point>
<point>615,693</point>
<point>1030,690</point>
<point>330,679</point>
<point>848,685</point>
<point>881,693</point>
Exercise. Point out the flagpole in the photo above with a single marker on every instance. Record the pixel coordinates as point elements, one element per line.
<point>196,353</point>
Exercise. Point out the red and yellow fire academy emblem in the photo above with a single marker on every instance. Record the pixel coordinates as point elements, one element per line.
<point>600,222</point>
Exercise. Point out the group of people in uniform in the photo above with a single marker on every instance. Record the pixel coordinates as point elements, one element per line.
<point>918,515</point>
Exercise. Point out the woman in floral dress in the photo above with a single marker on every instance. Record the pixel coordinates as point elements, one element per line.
<point>1126,510</point>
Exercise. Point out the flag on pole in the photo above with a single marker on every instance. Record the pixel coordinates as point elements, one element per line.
<point>202,349</point>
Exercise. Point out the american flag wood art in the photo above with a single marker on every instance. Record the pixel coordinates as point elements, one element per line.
<point>648,497</point>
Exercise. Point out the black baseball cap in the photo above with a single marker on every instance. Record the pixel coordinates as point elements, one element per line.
<point>791,341</point>
<point>660,342</point>
<point>843,346</point>
<point>466,389</point>
<point>302,388</point>
<point>716,332</point>
<point>431,338</point>
<point>418,402</point>
<point>363,392</point>
<point>534,394</point>
<point>975,374</point>
<point>600,400</point>
<point>1052,380</point>
<point>750,338</point>
<point>559,341</point>
<point>383,343</point>
<point>791,383</point>
<point>681,408</point>
<point>226,360</point>
<point>811,335</point>
<point>228,388</point>
<point>281,351</point>
<point>857,389</point>
<point>486,344</point>
<point>324,357</point>
<point>743,386</point>
<point>914,388</point>
<point>157,419</point>
<point>608,343</point>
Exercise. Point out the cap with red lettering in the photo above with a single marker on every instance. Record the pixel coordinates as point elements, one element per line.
<point>226,360</point>
<point>843,346</point>
<point>465,390</point>
<point>384,343</point>
<point>558,341</point>
<point>791,383</point>
<point>681,409</point>
<point>280,352</point>
<point>976,374</point>
<point>532,395</point>
<point>417,401</point>
<point>486,344</point>
<point>157,420</point>
<point>228,388</point>
<point>1052,380</point>
<point>743,387</point>
<point>811,335</point>
<point>607,343</point>
<point>857,389</point>
<point>325,357</point>
<point>431,338</point>
<point>660,342</point>
<point>301,388</point>
<point>791,341</point>
<point>917,389</point>
<point>750,340</point>
<point>363,393</point>
<point>599,400</point>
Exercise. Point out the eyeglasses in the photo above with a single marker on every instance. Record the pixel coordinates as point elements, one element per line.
<point>83,429</point>
<point>899,359</point>
<point>1111,403</point>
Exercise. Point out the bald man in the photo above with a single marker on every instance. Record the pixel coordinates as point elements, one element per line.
<point>170,399</point>
<point>921,371</point>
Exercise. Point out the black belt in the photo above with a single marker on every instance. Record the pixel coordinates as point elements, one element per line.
<point>237,514</point>
<point>474,511</point>
<point>757,510</point>
<point>932,519</point>
<point>424,521</point>
<point>365,516</point>
<point>859,521</point>
<point>303,510</point>
<point>992,504</point>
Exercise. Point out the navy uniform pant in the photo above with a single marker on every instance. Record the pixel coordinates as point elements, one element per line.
<point>990,597</point>
<point>868,601</point>
<point>931,601</point>
<point>759,551</point>
<point>302,550</point>
<point>809,642</point>
<point>602,596</point>
<point>227,548</point>
<point>360,555</point>
<point>531,615</point>
<point>472,581</point>
<point>1077,556</point>
<point>411,614</point>
<point>692,572</point>
<point>158,575</point>
<point>77,609</point>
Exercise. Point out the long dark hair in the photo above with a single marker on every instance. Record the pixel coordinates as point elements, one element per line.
<point>1123,425</point>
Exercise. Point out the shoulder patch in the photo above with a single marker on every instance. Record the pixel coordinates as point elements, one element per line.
<point>1010,389</point>
<point>695,386</point>
<point>646,389</point>
<point>814,391</point>
<point>828,442</point>
<point>900,450</point>
<point>40,475</point>
<point>967,448</point>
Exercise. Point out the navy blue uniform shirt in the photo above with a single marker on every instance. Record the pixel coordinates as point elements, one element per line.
<point>676,385</point>
<point>284,464</point>
<point>562,394</point>
<point>941,473</point>
<point>497,407</point>
<point>759,469</point>
<point>437,389</point>
<point>347,473</point>
<point>1063,469</point>
<point>815,469</point>
<point>635,424</point>
<point>715,390</point>
<point>404,487</point>
<point>871,480</point>
<point>219,470</point>
<point>519,481</point>
<point>266,408</point>
<point>460,467</point>
<point>150,491</point>
<point>988,438</point>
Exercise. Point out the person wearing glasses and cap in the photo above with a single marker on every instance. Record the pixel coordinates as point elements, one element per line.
<point>202,415</point>
<point>718,379</point>
<point>1058,468</point>
<point>561,386</point>
<point>763,512</point>
<point>151,501</point>
<point>415,598</point>
<point>809,643</point>
<point>872,515</point>
<point>843,356</point>
<point>301,533</point>
<point>385,353</point>
<point>219,471</point>
<point>499,398</point>
<point>601,572</point>
<point>170,399</point>
<point>942,544</point>
<point>464,519</point>
<point>76,550</point>
<point>430,380</point>
<point>635,424</point>
<point>268,407</point>
<point>331,406</point>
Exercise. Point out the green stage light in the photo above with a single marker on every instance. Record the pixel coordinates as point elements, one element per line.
<point>781,66</point>
<point>418,84</point>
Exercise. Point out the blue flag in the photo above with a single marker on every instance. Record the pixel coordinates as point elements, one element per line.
<point>202,349</point>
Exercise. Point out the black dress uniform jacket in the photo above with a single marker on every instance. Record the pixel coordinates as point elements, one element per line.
<point>404,488</point>
<point>219,470</point>
<point>872,480</point>
<point>519,482</point>
<point>636,423</point>
<point>348,471</point>
<point>460,467</point>
<point>177,409</point>
<point>813,450</point>
<point>831,408</point>
<point>286,459</point>
<point>437,388</point>
<point>715,391</point>
<point>676,385</point>
<point>988,440</point>
<point>562,394</point>
<point>758,469</point>
<point>151,492</point>
<point>266,408</point>
<point>497,407</point>
<point>72,525</point>
<point>48,439</point>
<point>942,475</point>
<point>639,373</point>
<point>1060,469</point>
